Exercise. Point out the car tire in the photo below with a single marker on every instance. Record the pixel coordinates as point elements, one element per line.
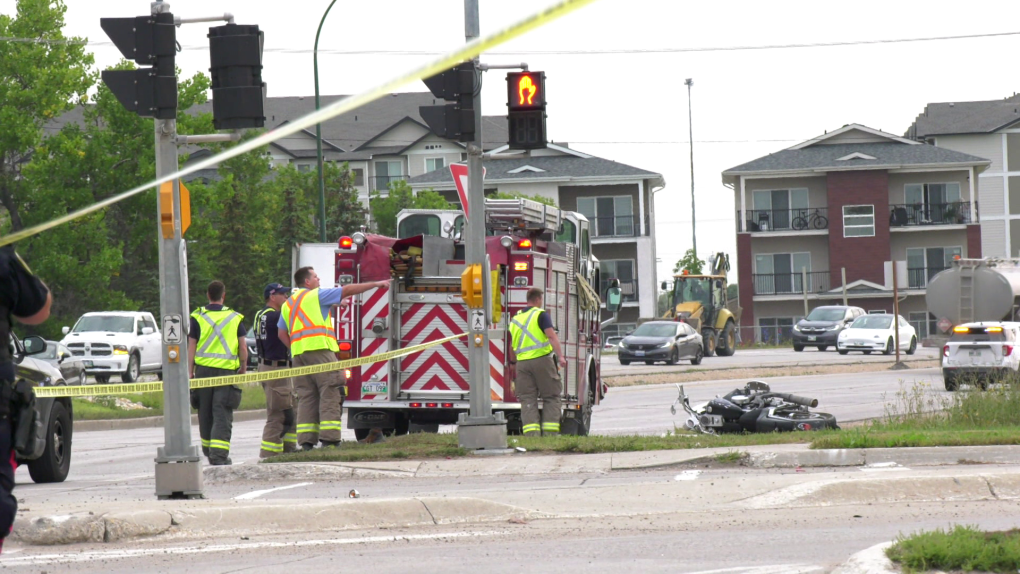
<point>102,379</point>
<point>624,363</point>
<point>134,370</point>
<point>798,348</point>
<point>649,362</point>
<point>913,346</point>
<point>674,357</point>
<point>822,347</point>
<point>843,352</point>
<point>950,381</point>
<point>55,461</point>
<point>698,355</point>
<point>890,346</point>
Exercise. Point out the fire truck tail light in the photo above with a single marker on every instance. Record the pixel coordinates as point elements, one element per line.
<point>447,405</point>
<point>345,346</point>
<point>431,405</point>
<point>347,373</point>
<point>521,266</point>
<point>346,242</point>
<point>524,244</point>
<point>415,405</point>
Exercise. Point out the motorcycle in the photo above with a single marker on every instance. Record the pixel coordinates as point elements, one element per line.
<point>754,408</point>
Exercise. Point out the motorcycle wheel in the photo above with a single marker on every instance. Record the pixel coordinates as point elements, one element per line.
<point>811,421</point>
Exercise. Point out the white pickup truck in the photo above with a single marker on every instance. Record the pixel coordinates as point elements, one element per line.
<point>124,343</point>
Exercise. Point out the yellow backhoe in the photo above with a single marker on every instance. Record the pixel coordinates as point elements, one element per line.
<point>701,301</point>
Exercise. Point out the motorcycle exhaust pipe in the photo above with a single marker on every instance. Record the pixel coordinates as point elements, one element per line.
<point>797,400</point>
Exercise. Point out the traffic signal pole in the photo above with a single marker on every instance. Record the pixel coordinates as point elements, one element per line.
<point>479,428</point>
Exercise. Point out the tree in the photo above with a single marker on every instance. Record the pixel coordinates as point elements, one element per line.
<point>690,263</point>
<point>38,82</point>
<point>385,209</point>
<point>516,195</point>
<point>295,221</point>
<point>732,291</point>
<point>344,214</point>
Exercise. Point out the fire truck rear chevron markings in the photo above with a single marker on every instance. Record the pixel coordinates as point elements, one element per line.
<point>413,320</point>
<point>496,379</point>
<point>374,303</point>
<point>435,373</point>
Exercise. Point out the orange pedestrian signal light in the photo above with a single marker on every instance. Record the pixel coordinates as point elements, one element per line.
<point>525,90</point>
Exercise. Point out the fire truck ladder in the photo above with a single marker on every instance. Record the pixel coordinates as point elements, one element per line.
<point>522,215</point>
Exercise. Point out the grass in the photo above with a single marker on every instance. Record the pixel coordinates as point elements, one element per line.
<point>962,548</point>
<point>105,408</point>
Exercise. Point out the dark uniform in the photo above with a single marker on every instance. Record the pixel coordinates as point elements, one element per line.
<point>216,404</point>
<point>279,434</point>
<point>23,295</point>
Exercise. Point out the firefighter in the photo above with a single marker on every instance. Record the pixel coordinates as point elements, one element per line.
<point>214,346</point>
<point>24,297</point>
<point>279,434</point>
<point>305,328</point>
<point>537,375</point>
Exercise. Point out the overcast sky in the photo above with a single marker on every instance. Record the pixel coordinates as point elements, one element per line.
<point>632,107</point>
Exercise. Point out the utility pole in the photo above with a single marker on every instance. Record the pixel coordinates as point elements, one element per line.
<point>478,429</point>
<point>318,131</point>
<point>690,130</point>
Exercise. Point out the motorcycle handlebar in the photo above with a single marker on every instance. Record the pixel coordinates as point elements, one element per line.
<point>797,400</point>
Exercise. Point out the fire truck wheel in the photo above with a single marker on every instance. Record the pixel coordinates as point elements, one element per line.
<point>361,434</point>
<point>513,423</point>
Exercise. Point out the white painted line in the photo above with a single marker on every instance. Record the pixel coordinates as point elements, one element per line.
<point>772,569</point>
<point>257,493</point>
<point>687,475</point>
<point>71,557</point>
<point>883,467</point>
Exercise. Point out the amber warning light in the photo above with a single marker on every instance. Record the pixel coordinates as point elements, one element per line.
<point>526,90</point>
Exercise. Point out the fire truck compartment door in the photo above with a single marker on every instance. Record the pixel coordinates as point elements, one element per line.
<point>443,368</point>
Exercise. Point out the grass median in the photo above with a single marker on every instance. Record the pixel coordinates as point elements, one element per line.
<point>963,548</point>
<point>131,406</point>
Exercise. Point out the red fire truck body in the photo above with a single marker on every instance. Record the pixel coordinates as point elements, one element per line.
<point>529,245</point>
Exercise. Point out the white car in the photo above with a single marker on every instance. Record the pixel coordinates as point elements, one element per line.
<point>877,333</point>
<point>123,343</point>
<point>977,352</point>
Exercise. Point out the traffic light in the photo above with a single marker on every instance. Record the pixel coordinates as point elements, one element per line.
<point>235,58</point>
<point>456,120</point>
<point>526,110</point>
<point>149,92</point>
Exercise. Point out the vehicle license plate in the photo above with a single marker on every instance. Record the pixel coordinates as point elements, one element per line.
<point>87,363</point>
<point>374,388</point>
<point>812,338</point>
<point>975,353</point>
<point>639,353</point>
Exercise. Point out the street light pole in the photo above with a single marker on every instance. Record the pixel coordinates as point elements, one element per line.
<point>690,125</point>
<point>318,131</point>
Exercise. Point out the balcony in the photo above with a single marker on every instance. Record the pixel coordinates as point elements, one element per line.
<point>629,289</point>
<point>382,182</point>
<point>785,220</point>
<point>918,277</point>
<point>790,283</point>
<point>614,226</point>
<point>923,214</point>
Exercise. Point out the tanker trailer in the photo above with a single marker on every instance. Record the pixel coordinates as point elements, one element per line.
<point>975,290</point>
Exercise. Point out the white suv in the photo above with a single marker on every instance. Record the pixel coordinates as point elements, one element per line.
<point>979,352</point>
<point>124,343</point>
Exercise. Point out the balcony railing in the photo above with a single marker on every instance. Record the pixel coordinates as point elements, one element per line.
<point>806,219</point>
<point>918,277</point>
<point>382,182</point>
<point>911,215</point>
<point>790,283</point>
<point>614,226</point>
<point>629,289</point>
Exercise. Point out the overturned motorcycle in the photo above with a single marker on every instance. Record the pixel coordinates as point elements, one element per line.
<point>754,408</point>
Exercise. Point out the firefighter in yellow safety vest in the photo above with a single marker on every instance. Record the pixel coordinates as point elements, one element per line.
<point>534,342</point>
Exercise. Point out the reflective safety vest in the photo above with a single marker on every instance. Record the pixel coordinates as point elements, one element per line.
<point>309,330</point>
<point>529,340</point>
<point>218,344</point>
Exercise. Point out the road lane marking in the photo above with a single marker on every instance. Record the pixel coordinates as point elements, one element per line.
<point>687,475</point>
<point>257,493</point>
<point>72,557</point>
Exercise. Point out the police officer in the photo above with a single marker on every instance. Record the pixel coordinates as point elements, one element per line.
<point>214,345</point>
<point>534,341</point>
<point>305,328</point>
<point>26,298</point>
<point>279,434</point>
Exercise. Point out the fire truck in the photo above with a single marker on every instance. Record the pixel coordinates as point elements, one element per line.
<point>529,245</point>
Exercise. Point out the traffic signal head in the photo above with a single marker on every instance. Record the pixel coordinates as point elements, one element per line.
<point>456,120</point>
<point>235,58</point>
<point>526,110</point>
<point>149,92</point>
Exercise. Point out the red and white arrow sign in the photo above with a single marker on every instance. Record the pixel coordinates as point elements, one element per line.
<point>460,179</point>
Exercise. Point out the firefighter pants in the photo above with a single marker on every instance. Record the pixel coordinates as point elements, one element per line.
<point>279,435</point>
<point>319,400</point>
<point>8,504</point>
<point>216,414</point>
<point>539,378</point>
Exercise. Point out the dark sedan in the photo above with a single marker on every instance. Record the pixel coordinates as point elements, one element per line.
<point>822,326</point>
<point>71,368</point>
<point>662,341</point>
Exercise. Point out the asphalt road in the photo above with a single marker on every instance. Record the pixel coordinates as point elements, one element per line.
<point>762,358</point>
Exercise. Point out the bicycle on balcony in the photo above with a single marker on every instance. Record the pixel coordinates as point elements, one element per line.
<point>814,220</point>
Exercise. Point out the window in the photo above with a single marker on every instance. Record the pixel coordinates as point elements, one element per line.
<point>776,273</point>
<point>932,202</point>
<point>386,172</point>
<point>622,269</point>
<point>419,224</point>
<point>609,216</point>
<point>877,311</point>
<point>923,263</point>
<point>858,221</point>
<point>775,330</point>
<point>776,208</point>
<point>359,176</point>
<point>304,167</point>
<point>585,244</point>
<point>146,322</point>
<point>434,163</point>
<point>618,330</point>
<point>567,232</point>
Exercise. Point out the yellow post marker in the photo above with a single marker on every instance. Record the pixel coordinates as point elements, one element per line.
<point>166,209</point>
<point>471,286</point>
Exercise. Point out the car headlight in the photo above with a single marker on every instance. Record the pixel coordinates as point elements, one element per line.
<point>120,350</point>
<point>796,328</point>
<point>666,344</point>
<point>834,327</point>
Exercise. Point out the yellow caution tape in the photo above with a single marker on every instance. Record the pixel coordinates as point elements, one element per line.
<point>246,379</point>
<point>468,51</point>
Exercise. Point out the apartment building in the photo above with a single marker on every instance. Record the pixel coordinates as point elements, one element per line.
<point>854,200</point>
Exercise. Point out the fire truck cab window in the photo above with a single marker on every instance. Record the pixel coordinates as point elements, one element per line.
<point>458,224</point>
<point>420,224</point>
<point>568,232</point>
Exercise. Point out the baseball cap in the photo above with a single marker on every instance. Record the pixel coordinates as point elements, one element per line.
<point>274,288</point>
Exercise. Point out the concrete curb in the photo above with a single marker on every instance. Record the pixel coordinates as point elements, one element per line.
<point>154,422</point>
<point>868,561</point>
<point>257,517</point>
<point>916,456</point>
